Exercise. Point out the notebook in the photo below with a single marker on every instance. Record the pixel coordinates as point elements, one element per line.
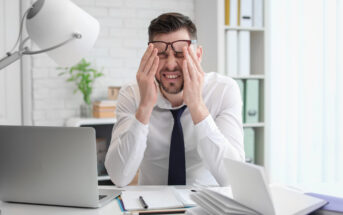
<point>164,198</point>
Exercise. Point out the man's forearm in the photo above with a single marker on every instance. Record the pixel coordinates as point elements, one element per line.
<point>143,114</point>
<point>198,113</point>
<point>126,151</point>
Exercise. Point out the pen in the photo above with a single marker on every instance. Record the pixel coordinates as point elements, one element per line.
<point>145,206</point>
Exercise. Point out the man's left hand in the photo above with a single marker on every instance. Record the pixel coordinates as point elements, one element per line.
<point>193,76</point>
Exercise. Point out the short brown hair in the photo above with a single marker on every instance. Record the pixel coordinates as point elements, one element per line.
<point>170,22</point>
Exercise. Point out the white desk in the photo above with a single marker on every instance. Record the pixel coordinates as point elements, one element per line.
<point>112,208</point>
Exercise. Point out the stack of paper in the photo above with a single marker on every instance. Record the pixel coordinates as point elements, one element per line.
<point>214,202</point>
<point>285,200</point>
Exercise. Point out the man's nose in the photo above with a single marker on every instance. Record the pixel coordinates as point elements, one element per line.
<point>171,63</point>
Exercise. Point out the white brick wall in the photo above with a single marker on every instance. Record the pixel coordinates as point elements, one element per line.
<point>121,43</point>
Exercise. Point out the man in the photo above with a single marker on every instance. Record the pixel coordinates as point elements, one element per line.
<point>177,124</point>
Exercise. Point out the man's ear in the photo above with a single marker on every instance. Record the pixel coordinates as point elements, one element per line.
<point>199,53</point>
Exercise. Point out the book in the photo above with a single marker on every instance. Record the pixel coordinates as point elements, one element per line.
<point>105,103</point>
<point>104,114</point>
<point>231,53</point>
<point>251,111</point>
<point>244,53</point>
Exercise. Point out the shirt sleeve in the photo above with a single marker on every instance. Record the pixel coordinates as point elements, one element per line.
<point>128,143</point>
<point>222,136</point>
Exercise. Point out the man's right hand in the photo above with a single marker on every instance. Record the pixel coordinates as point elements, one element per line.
<point>146,83</point>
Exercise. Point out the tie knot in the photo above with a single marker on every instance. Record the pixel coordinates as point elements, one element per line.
<point>178,112</point>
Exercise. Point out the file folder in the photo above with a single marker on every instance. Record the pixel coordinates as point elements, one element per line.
<point>244,53</point>
<point>227,12</point>
<point>246,13</point>
<point>251,112</point>
<point>258,13</point>
<point>249,145</point>
<point>240,83</point>
<point>233,13</point>
<point>231,53</point>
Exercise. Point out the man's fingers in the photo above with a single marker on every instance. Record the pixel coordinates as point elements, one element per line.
<point>186,77</point>
<point>154,67</point>
<point>190,65</point>
<point>146,56</point>
<point>150,61</point>
<point>195,59</point>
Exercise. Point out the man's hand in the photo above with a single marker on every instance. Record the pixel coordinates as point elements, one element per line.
<point>193,76</point>
<point>147,86</point>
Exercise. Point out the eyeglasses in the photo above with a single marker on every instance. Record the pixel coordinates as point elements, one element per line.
<point>177,47</point>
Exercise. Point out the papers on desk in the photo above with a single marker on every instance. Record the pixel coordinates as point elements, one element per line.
<point>286,201</point>
<point>164,198</point>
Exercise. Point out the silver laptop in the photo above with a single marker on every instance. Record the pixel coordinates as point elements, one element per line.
<point>250,188</point>
<point>50,165</point>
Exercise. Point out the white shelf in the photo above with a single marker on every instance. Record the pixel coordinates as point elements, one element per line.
<point>104,178</point>
<point>229,28</point>
<point>212,35</point>
<point>253,125</point>
<point>248,77</point>
<point>77,122</point>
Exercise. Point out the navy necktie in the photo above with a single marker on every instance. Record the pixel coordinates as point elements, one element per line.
<point>177,162</point>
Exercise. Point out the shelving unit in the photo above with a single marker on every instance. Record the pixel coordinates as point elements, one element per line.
<point>210,22</point>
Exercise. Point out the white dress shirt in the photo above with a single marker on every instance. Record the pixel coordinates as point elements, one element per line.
<point>146,147</point>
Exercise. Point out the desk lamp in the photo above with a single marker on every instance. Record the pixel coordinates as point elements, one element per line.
<point>58,27</point>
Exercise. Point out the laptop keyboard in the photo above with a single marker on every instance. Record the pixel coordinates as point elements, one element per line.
<point>101,196</point>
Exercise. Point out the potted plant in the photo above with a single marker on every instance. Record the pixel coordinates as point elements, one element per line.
<point>84,76</point>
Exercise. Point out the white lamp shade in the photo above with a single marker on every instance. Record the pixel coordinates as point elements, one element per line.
<point>55,23</point>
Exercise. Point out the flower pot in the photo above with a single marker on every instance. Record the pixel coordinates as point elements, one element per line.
<point>86,111</point>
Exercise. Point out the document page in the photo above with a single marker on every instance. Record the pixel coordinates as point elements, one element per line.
<point>164,198</point>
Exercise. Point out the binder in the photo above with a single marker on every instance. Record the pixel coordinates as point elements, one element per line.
<point>251,112</point>
<point>240,83</point>
<point>233,13</point>
<point>231,53</point>
<point>244,53</point>
<point>249,145</point>
<point>227,12</point>
<point>246,13</point>
<point>258,13</point>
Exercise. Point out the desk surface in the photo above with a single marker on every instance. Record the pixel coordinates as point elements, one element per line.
<point>112,208</point>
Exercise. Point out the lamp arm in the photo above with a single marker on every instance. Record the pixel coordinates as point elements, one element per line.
<point>11,57</point>
<point>28,52</point>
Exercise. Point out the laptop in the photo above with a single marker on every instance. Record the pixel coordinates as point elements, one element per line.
<point>250,188</point>
<point>50,165</point>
